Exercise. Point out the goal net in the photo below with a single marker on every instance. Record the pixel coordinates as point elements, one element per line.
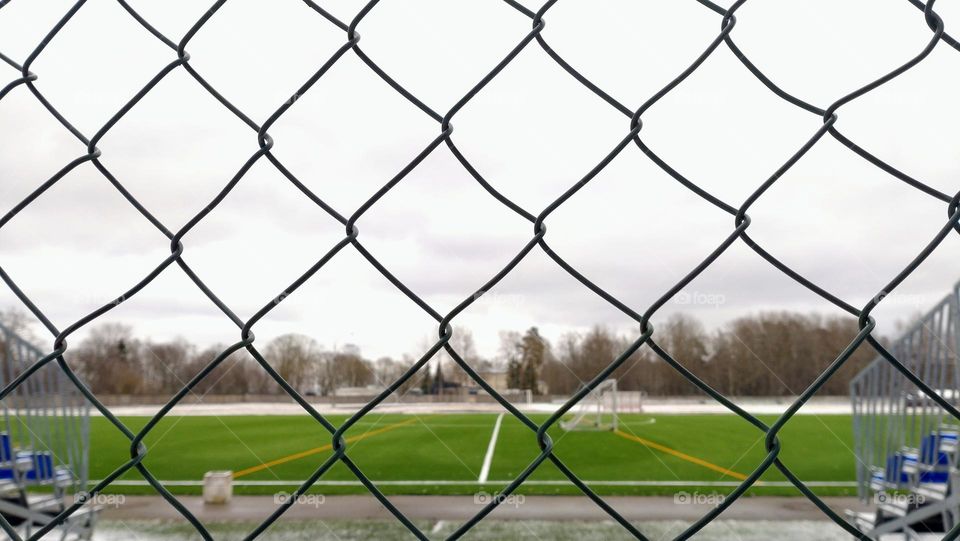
<point>597,411</point>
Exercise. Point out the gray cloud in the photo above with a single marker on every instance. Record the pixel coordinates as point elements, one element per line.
<point>532,133</point>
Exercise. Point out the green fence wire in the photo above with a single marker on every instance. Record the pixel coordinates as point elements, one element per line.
<point>632,135</point>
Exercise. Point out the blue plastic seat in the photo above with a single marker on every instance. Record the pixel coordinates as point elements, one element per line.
<point>894,473</point>
<point>42,467</point>
<point>930,453</point>
<point>6,449</point>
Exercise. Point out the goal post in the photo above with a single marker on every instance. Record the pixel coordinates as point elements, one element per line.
<point>599,410</point>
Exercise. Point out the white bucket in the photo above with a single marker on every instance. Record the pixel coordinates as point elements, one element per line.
<point>217,487</point>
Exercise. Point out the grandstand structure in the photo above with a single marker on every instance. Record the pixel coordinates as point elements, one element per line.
<point>44,445</point>
<point>906,444</point>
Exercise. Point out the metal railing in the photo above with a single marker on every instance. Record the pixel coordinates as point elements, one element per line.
<point>46,416</point>
<point>632,135</point>
<point>890,413</point>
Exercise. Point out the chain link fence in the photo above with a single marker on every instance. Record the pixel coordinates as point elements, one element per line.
<point>889,413</point>
<point>632,135</point>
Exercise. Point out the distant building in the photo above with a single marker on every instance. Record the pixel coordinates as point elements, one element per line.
<point>496,377</point>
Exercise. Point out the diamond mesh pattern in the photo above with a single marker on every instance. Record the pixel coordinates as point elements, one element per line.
<point>632,136</point>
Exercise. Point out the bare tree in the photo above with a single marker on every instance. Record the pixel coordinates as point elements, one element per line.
<point>463,344</point>
<point>109,360</point>
<point>296,358</point>
<point>598,349</point>
<point>689,345</point>
<point>167,365</point>
<point>387,370</point>
<point>770,354</point>
<point>781,353</point>
<point>17,321</point>
<point>349,369</point>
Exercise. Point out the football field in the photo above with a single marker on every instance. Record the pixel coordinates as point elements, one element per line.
<point>471,453</point>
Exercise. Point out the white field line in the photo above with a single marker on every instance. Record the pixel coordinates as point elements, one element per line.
<point>447,482</point>
<point>488,458</point>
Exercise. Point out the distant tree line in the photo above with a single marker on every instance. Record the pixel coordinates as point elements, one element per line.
<point>112,361</point>
<point>770,354</point>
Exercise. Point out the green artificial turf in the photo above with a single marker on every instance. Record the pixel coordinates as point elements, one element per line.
<point>451,448</point>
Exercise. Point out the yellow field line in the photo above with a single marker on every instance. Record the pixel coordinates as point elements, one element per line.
<point>315,450</point>
<point>682,456</point>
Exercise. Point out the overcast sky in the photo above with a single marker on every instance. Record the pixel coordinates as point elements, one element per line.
<point>533,132</point>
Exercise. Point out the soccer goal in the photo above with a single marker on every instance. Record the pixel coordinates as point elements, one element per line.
<point>599,410</point>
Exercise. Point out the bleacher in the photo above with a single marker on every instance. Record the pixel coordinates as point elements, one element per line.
<point>44,441</point>
<point>907,446</point>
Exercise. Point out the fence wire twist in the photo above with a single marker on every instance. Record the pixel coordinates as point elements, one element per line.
<point>741,223</point>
